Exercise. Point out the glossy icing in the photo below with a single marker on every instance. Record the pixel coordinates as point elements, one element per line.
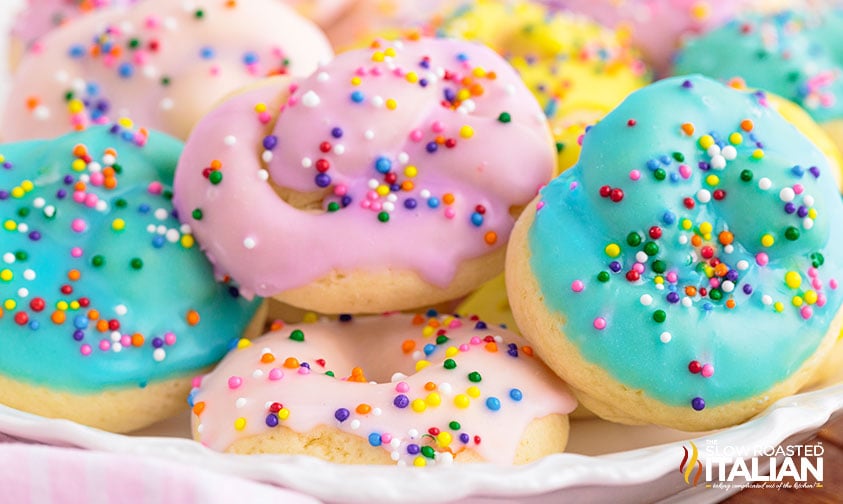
<point>796,55</point>
<point>160,62</point>
<point>393,378</point>
<point>100,285</point>
<point>416,172</point>
<point>577,69</point>
<point>691,186</point>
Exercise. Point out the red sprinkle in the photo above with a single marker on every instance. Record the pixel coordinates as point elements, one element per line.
<point>695,367</point>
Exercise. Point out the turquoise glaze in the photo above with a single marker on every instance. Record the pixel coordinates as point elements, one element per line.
<point>798,56</point>
<point>46,234</point>
<point>650,149</point>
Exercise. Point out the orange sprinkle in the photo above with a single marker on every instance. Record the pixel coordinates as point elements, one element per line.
<point>58,317</point>
<point>363,409</point>
<point>721,269</point>
<point>418,319</point>
<point>291,363</point>
<point>102,325</point>
<point>747,125</point>
<point>491,346</point>
<point>430,386</point>
<point>690,291</point>
<point>93,315</point>
<point>137,340</point>
<point>80,150</point>
<point>267,358</point>
<point>408,346</point>
<point>433,323</point>
<point>110,152</point>
<point>231,4</point>
<point>490,238</point>
<point>79,127</point>
<point>439,139</point>
<point>491,75</point>
<point>108,171</point>
<point>192,317</point>
<point>79,186</point>
<point>696,240</point>
<point>448,198</point>
<point>407,185</point>
<point>527,350</point>
<point>32,102</point>
<point>276,325</point>
<point>216,164</point>
<point>357,375</point>
<point>477,89</point>
<point>725,237</point>
<point>74,275</point>
<point>730,303</point>
<point>198,408</point>
<point>110,183</point>
<point>688,129</point>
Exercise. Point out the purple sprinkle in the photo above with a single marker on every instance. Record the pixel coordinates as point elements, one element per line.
<point>272,420</point>
<point>322,180</point>
<point>61,194</point>
<point>814,171</point>
<point>431,147</point>
<point>345,317</point>
<point>157,342</point>
<point>270,142</point>
<point>512,349</point>
<point>687,84</point>
<point>802,211</point>
<point>698,403</point>
<point>615,266</point>
<point>336,132</point>
<point>68,179</point>
<point>342,414</point>
<point>401,401</point>
<point>305,365</point>
<point>413,449</point>
<point>4,195</point>
<point>78,335</point>
<point>35,235</point>
<point>789,207</point>
<point>732,275</point>
<point>410,203</point>
<point>465,438</point>
<point>480,325</point>
<point>747,289</point>
<point>345,200</point>
<point>672,297</point>
<point>7,165</point>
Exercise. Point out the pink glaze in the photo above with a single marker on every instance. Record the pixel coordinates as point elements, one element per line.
<point>162,63</point>
<point>393,384</point>
<point>500,153</point>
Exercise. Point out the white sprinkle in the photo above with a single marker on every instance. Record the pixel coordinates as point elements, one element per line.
<point>150,228</point>
<point>665,337</point>
<point>377,101</point>
<point>170,23</point>
<point>101,206</point>
<point>718,162</point>
<point>703,196</point>
<point>167,104</point>
<point>418,355</point>
<point>397,377</point>
<point>78,85</point>
<point>249,243</point>
<point>9,258</point>
<point>310,99</point>
<point>764,183</point>
<point>159,354</point>
<point>339,149</point>
<point>94,167</point>
<point>395,442</point>
<point>742,265</point>
<point>403,158</point>
<point>121,309</point>
<point>445,458</point>
<point>394,456</point>
<point>766,299</point>
<point>263,175</point>
<point>266,156</point>
<point>108,159</point>
<point>413,433</point>
<point>646,299</point>
<point>388,207</point>
<point>641,256</point>
<point>240,402</point>
<point>116,347</point>
<point>306,162</point>
<point>23,228</point>
<point>729,152</point>
<point>173,235</point>
<point>50,211</point>
<point>161,229</point>
<point>808,200</point>
<point>787,194</point>
<point>392,197</point>
<point>714,150</point>
<point>728,249</point>
<point>85,178</point>
<point>229,140</point>
<point>727,286</point>
<point>377,411</point>
<point>509,89</point>
<point>62,76</point>
<point>424,193</point>
<point>355,424</point>
<point>807,223</point>
<point>687,302</point>
<point>445,388</point>
<point>683,239</point>
<point>373,184</point>
<point>369,135</point>
<point>39,202</point>
<point>323,77</point>
<point>185,229</point>
<point>41,112</point>
<point>660,286</point>
<point>200,428</point>
<point>23,292</point>
<point>257,373</point>
<point>115,335</point>
<point>161,214</point>
<point>267,404</point>
<point>29,274</point>
<point>150,72</point>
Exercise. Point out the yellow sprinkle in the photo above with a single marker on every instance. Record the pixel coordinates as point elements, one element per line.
<point>418,405</point>
<point>687,224</point>
<point>391,104</point>
<point>708,270</point>
<point>778,306</point>
<point>377,56</point>
<point>478,72</point>
<point>411,171</point>
<point>74,305</point>
<point>767,240</point>
<point>659,280</point>
<point>355,81</point>
<point>422,364</point>
<point>75,106</point>
<point>10,304</point>
<point>6,275</point>
<point>310,318</point>
<point>466,131</point>
<point>706,141</point>
<point>62,305</point>
<point>712,180</point>
<point>2,158</point>
<point>10,225</point>
<point>757,154</point>
<point>433,399</point>
<point>390,51</point>
<point>243,343</point>
<point>187,241</point>
<point>382,190</point>
<point>78,165</point>
<point>736,138</point>
<point>473,392</point>
<point>812,213</point>
<point>17,192</point>
<point>792,279</point>
<point>797,301</point>
<point>419,461</point>
<point>126,122</point>
<point>260,108</point>
<point>118,224</point>
<point>27,185</point>
<point>444,439</point>
<point>240,424</point>
<point>613,250</point>
<point>700,10</point>
<point>428,330</point>
<point>810,297</point>
<point>412,77</point>
<point>463,94</point>
<point>452,351</point>
<point>283,414</point>
<point>706,228</point>
<point>460,400</point>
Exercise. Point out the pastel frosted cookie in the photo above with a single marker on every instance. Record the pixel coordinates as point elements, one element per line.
<point>685,272</point>
<point>387,180</point>
<point>160,62</point>
<point>107,305</point>
<point>396,389</point>
<point>795,54</point>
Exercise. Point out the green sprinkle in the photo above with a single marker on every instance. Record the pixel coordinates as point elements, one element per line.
<point>215,177</point>
<point>199,14</point>
<point>679,156</point>
<point>165,81</point>
<point>134,43</point>
<point>329,373</point>
<point>121,203</point>
<point>474,377</point>
<point>333,206</point>
<point>659,266</point>
<point>715,294</point>
<point>98,261</point>
<point>297,335</point>
<point>383,217</point>
<point>633,239</point>
<point>659,316</point>
<point>660,174</point>
<point>21,255</point>
<point>817,259</point>
<point>23,212</point>
<point>560,146</point>
<point>197,214</point>
<point>603,276</point>
<point>136,263</point>
<point>441,339</point>
<point>791,233</point>
<point>118,168</point>
<point>746,175</point>
<point>651,248</point>
<point>427,451</point>
<point>454,425</point>
<point>449,364</point>
<point>504,117</point>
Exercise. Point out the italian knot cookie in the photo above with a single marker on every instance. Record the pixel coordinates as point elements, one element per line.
<point>396,389</point>
<point>107,305</point>
<point>388,179</point>
<point>160,62</point>
<point>685,272</point>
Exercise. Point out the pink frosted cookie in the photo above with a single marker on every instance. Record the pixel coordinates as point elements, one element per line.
<point>163,63</point>
<point>412,390</point>
<point>387,180</point>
